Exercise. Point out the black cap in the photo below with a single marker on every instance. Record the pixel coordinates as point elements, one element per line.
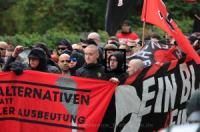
<point>127,22</point>
<point>89,41</point>
<point>41,45</point>
<point>37,53</point>
<point>192,39</point>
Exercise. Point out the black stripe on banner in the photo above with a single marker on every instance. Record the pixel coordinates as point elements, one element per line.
<point>43,123</point>
<point>46,85</point>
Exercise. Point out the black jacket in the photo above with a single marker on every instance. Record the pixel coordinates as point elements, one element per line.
<point>51,65</point>
<point>95,71</point>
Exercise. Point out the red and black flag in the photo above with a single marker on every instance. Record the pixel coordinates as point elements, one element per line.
<point>116,12</point>
<point>154,52</point>
<point>155,12</point>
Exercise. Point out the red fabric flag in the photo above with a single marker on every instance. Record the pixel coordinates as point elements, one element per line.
<point>43,102</point>
<point>190,0</point>
<point>154,12</point>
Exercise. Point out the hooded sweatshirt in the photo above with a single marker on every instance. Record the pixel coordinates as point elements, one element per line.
<point>38,53</point>
<point>119,71</point>
<point>80,62</point>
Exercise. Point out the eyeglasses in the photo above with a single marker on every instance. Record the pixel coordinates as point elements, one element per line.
<point>2,49</point>
<point>114,60</point>
<point>84,46</point>
<point>74,59</point>
<point>62,48</point>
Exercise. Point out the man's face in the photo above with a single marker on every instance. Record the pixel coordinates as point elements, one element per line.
<point>73,62</point>
<point>91,56</point>
<point>130,69</point>
<point>61,48</point>
<point>84,45</point>
<point>63,63</point>
<point>113,62</point>
<point>34,62</point>
<point>3,50</point>
<point>108,53</point>
<point>8,54</point>
<point>124,47</point>
<point>125,27</point>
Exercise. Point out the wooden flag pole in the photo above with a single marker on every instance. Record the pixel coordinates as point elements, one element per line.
<point>143,35</point>
<point>197,17</point>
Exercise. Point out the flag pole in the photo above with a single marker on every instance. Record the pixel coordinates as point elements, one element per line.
<point>197,17</point>
<point>144,23</point>
<point>143,35</point>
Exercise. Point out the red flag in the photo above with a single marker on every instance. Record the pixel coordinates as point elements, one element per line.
<point>154,12</point>
<point>43,102</point>
<point>190,0</point>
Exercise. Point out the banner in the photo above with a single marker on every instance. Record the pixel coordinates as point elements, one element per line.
<point>154,52</point>
<point>115,13</point>
<point>155,12</point>
<point>156,97</point>
<point>43,102</point>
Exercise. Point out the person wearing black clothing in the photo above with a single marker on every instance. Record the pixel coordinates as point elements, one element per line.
<point>37,60</point>
<point>52,66</point>
<point>116,61</point>
<point>93,69</point>
<point>76,61</point>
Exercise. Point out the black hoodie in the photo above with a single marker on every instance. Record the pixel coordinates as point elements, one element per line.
<point>38,53</point>
<point>119,71</point>
<point>80,61</point>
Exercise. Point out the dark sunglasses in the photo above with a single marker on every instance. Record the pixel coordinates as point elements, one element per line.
<point>2,49</point>
<point>131,46</point>
<point>62,48</point>
<point>74,59</point>
<point>84,47</point>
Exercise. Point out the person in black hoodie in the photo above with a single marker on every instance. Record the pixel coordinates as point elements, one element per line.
<point>76,60</point>
<point>37,60</point>
<point>52,65</point>
<point>116,62</point>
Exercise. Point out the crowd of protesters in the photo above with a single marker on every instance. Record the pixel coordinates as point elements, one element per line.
<point>87,58</point>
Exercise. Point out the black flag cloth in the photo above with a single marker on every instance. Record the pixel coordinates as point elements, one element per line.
<point>196,26</point>
<point>154,52</point>
<point>116,12</point>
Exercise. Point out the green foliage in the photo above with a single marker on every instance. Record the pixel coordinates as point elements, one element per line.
<point>49,39</point>
<point>75,16</point>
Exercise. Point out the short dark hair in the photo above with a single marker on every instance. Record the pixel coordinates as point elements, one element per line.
<point>11,49</point>
<point>113,38</point>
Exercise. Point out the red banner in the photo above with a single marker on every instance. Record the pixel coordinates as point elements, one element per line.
<point>43,102</point>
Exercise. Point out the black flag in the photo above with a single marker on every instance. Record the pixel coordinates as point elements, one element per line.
<point>196,26</point>
<point>116,12</point>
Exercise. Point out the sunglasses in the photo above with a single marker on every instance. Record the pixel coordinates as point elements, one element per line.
<point>131,46</point>
<point>84,47</point>
<point>74,59</point>
<point>2,49</point>
<point>62,48</point>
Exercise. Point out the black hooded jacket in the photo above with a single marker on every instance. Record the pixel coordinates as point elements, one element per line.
<point>119,72</point>
<point>80,62</point>
<point>95,71</point>
<point>38,53</point>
